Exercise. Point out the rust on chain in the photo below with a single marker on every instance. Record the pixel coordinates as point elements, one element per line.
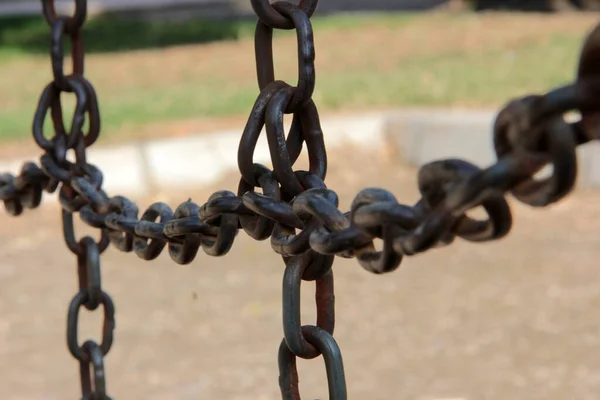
<point>293,208</point>
<point>334,367</point>
<point>292,327</point>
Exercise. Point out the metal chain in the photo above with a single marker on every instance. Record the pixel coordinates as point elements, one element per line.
<point>91,296</point>
<point>296,210</point>
<point>302,263</point>
<point>72,178</point>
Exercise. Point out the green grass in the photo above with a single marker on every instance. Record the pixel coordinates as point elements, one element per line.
<point>484,79</point>
<point>480,77</point>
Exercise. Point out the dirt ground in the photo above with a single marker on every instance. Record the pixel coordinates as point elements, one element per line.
<point>516,319</point>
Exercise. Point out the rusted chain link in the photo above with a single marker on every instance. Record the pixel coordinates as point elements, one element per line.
<point>296,210</point>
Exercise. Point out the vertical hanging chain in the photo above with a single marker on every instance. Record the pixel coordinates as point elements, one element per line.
<point>80,183</point>
<point>276,99</point>
<point>91,296</point>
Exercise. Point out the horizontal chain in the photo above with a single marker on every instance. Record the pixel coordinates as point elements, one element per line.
<point>26,189</point>
<point>312,221</point>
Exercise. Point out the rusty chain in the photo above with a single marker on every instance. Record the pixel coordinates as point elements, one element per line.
<point>296,210</point>
<point>90,295</point>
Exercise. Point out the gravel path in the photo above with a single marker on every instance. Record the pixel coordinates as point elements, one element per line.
<point>517,319</point>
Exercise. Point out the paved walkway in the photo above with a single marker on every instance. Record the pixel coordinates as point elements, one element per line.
<point>517,319</point>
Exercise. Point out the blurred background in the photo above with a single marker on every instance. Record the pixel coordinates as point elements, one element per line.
<point>514,319</point>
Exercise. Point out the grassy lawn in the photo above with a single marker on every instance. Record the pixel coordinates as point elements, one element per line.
<point>175,78</point>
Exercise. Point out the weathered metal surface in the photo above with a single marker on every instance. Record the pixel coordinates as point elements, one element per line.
<point>296,209</point>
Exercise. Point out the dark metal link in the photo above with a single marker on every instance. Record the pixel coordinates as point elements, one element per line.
<point>50,100</point>
<point>91,194</point>
<point>74,22</point>
<point>151,250</point>
<point>69,235</point>
<point>271,17</point>
<point>185,226</point>
<point>284,240</point>
<point>93,379</point>
<point>51,167</point>
<point>273,209</point>
<point>84,91</point>
<point>375,206</point>
<point>90,217</point>
<point>57,53</point>
<point>253,128</point>
<point>436,181</point>
<point>325,345</point>
<point>108,325</point>
<point>189,225</point>
<point>259,227</point>
<point>303,91</point>
<point>280,156</point>
<point>88,270</point>
<point>121,232</point>
<point>25,190</point>
<point>93,112</point>
<point>448,198</point>
<point>324,297</point>
<point>557,140</point>
<point>218,205</point>
<point>227,231</point>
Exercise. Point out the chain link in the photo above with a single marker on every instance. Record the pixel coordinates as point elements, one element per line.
<point>91,296</point>
<point>295,210</point>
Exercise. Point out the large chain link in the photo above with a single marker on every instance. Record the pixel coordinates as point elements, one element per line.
<point>296,210</point>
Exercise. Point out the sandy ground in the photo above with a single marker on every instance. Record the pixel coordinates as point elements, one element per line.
<point>516,319</point>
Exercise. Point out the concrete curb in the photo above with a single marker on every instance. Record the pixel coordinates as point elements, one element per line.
<point>420,137</point>
<point>416,136</point>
